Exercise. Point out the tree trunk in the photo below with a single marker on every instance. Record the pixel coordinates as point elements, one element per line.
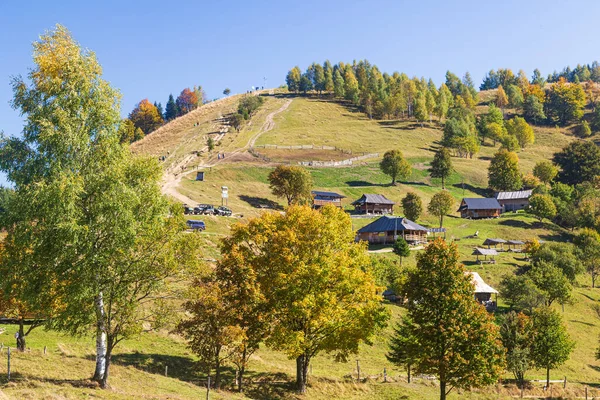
<point>21,337</point>
<point>301,372</point>
<point>217,373</point>
<point>593,280</point>
<point>547,378</point>
<point>441,221</point>
<point>241,371</point>
<point>104,380</point>
<point>408,370</point>
<point>443,185</point>
<point>100,339</point>
<point>442,390</point>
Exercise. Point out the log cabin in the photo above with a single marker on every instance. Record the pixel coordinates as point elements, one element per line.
<point>479,208</point>
<point>373,204</point>
<point>321,199</point>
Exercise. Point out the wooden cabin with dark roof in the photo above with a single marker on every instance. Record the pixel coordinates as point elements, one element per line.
<point>321,199</point>
<point>386,230</point>
<point>373,204</point>
<point>479,208</point>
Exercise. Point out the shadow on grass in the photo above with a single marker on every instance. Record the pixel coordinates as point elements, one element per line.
<point>76,383</point>
<point>514,223</point>
<point>365,183</point>
<point>260,202</point>
<point>182,368</point>
<point>473,189</point>
<point>582,322</point>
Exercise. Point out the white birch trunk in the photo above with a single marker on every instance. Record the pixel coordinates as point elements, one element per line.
<point>100,338</point>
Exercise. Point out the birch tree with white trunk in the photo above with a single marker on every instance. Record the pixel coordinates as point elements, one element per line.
<point>88,227</point>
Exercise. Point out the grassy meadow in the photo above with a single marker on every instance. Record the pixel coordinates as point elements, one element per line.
<point>139,366</point>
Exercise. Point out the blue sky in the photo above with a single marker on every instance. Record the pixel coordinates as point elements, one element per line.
<point>152,48</point>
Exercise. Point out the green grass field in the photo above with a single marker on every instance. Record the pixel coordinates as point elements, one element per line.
<point>139,365</point>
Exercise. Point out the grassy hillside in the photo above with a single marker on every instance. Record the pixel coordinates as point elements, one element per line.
<point>140,364</point>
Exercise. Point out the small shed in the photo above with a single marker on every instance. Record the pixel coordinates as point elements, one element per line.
<point>479,208</point>
<point>483,292</point>
<point>373,204</point>
<point>200,176</point>
<point>485,253</point>
<point>514,201</point>
<point>321,199</point>
<point>494,242</point>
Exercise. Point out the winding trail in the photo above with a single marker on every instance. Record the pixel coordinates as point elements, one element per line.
<point>173,175</point>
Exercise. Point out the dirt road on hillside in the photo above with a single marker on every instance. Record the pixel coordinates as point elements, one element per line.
<point>174,174</point>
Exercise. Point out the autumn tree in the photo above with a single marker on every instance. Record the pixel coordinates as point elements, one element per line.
<point>412,206</point>
<point>445,321</point>
<point>515,96</point>
<point>314,279</point>
<point>186,101</point>
<point>501,98</point>
<point>293,79</point>
<point>89,226</point>
<point>517,335</point>
<point>441,166</point>
<point>518,127</point>
<point>579,161</point>
<point>292,183</point>
<point>127,131</point>
<point>145,116</point>
<point>503,172</point>
<point>545,171</point>
<point>565,102</point>
<point>542,206</point>
<point>394,165</point>
<point>440,204</point>
<point>552,345</point>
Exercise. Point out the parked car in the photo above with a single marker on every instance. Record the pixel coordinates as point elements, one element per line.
<point>208,209</point>
<point>196,225</point>
<point>224,211</point>
<point>187,210</point>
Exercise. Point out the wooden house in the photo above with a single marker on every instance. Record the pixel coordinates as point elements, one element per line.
<point>479,208</point>
<point>386,230</point>
<point>514,201</point>
<point>373,204</point>
<point>321,199</point>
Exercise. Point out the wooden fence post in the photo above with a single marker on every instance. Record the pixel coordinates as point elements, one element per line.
<point>166,370</point>
<point>358,370</point>
<point>586,393</point>
<point>45,348</point>
<point>384,375</point>
<point>208,387</point>
<point>565,384</point>
<point>8,363</point>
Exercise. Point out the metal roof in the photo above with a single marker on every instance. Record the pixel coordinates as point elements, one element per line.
<point>480,203</point>
<point>493,241</point>
<point>388,224</point>
<point>520,194</point>
<point>515,242</point>
<point>373,199</point>
<point>480,285</point>
<point>318,193</point>
<point>484,252</point>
